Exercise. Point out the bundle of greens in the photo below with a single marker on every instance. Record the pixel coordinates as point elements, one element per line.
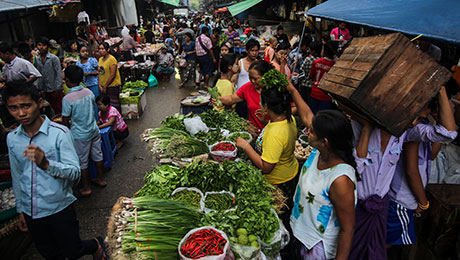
<point>160,182</point>
<point>175,122</point>
<point>157,226</point>
<point>177,143</point>
<point>185,147</point>
<point>274,79</point>
<point>211,137</point>
<point>214,94</point>
<point>139,84</point>
<point>224,120</point>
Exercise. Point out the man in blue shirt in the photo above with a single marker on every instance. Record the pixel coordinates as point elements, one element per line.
<point>206,24</point>
<point>44,167</point>
<point>77,107</point>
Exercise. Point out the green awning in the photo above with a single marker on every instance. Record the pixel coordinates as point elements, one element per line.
<point>242,6</point>
<point>170,2</point>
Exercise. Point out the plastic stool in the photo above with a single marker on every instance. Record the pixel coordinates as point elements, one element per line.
<point>109,148</point>
<point>108,145</point>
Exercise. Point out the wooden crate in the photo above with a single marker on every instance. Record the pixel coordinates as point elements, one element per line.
<point>386,78</point>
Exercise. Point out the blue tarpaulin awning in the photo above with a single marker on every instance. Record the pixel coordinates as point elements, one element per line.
<point>436,19</point>
<point>15,5</point>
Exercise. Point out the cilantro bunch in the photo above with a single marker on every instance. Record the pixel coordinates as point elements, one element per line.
<point>274,79</point>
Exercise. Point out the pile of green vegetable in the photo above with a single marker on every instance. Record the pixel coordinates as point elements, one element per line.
<point>139,84</point>
<point>157,226</point>
<point>224,120</point>
<point>175,121</point>
<point>177,143</point>
<point>253,193</point>
<point>211,137</point>
<point>233,136</point>
<point>189,197</point>
<point>219,201</point>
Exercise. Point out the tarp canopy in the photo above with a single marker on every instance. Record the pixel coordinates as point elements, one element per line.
<point>10,5</point>
<point>170,2</point>
<point>436,19</point>
<point>223,5</point>
<point>242,6</point>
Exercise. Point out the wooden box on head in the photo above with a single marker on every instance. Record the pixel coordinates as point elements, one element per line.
<point>385,78</point>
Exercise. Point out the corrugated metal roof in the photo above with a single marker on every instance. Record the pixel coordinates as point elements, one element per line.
<point>15,5</point>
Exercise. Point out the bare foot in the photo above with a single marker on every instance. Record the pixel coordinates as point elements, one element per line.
<point>100,254</point>
<point>84,192</point>
<point>100,183</point>
<point>120,144</point>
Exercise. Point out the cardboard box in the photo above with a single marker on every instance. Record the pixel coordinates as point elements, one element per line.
<point>134,111</point>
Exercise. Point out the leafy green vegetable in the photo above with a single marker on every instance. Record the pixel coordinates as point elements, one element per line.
<point>253,192</point>
<point>185,147</point>
<point>274,79</point>
<point>214,94</point>
<point>190,197</point>
<point>224,120</point>
<point>219,201</point>
<point>139,84</point>
<point>233,136</point>
<point>175,122</point>
<point>211,137</point>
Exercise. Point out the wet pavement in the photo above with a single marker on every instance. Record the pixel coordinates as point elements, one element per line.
<point>130,165</point>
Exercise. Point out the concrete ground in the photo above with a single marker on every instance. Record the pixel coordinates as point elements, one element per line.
<point>131,163</point>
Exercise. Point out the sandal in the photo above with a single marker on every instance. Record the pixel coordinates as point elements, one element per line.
<point>104,255</point>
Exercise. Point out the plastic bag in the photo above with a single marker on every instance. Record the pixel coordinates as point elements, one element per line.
<point>302,139</point>
<point>221,156</point>
<point>191,189</point>
<point>246,252</point>
<point>208,210</point>
<point>195,125</point>
<point>280,240</point>
<point>227,255</point>
<point>153,82</point>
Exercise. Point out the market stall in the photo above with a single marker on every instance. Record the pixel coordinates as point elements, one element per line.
<point>204,199</point>
<point>132,98</point>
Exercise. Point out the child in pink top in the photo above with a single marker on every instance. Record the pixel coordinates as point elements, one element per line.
<point>109,116</point>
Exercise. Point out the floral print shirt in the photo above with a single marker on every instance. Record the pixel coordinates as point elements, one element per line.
<point>313,217</point>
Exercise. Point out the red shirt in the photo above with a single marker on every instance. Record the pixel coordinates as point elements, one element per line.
<point>317,71</point>
<point>249,93</point>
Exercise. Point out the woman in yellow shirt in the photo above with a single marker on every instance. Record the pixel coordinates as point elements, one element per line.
<point>277,142</point>
<point>109,78</point>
